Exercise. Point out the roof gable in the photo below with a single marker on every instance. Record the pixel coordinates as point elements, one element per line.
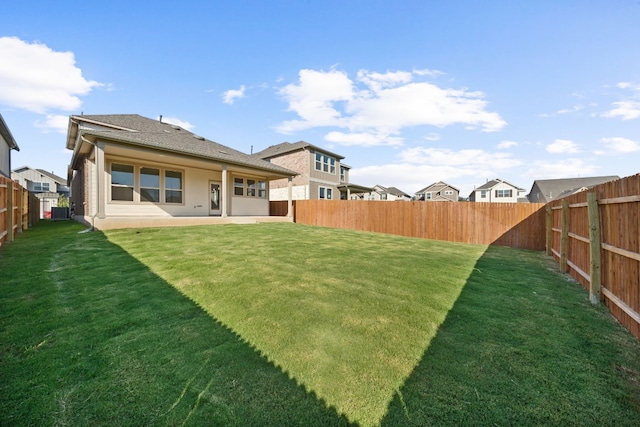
<point>437,186</point>
<point>289,147</point>
<point>490,184</point>
<point>6,135</point>
<point>550,189</point>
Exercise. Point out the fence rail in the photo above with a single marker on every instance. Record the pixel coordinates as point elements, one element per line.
<point>519,225</point>
<point>17,209</point>
<point>595,237</point>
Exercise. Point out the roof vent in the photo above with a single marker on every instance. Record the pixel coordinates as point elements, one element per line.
<point>223,152</point>
<point>201,138</point>
<point>176,127</point>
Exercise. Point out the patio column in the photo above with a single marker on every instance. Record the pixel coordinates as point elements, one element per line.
<point>101,193</point>
<point>224,191</point>
<point>289,197</point>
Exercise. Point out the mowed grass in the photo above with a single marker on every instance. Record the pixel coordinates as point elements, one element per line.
<point>283,324</point>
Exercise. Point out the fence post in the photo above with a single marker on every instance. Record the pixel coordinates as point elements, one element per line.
<point>549,240</point>
<point>564,237</point>
<point>594,242</point>
<point>10,211</point>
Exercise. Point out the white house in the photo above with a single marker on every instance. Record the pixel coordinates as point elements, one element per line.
<point>498,191</point>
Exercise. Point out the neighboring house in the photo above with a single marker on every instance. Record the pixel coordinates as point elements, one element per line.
<point>321,173</point>
<point>47,186</point>
<point>128,171</point>
<point>7,143</point>
<point>498,191</point>
<point>438,192</point>
<point>384,193</point>
<point>546,190</point>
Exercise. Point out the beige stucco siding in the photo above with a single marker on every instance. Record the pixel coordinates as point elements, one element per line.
<point>5,160</point>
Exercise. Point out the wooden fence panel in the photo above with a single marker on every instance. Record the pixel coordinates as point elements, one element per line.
<point>618,209</point>
<point>506,224</point>
<point>14,206</point>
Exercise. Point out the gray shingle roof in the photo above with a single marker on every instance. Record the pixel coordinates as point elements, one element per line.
<point>137,130</point>
<point>437,186</point>
<point>545,190</point>
<point>288,147</point>
<point>490,184</point>
<point>397,192</point>
<point>53,176</point>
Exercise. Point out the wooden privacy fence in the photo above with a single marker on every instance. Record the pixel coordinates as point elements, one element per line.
<point>595,236</point>
<point>17,209</point>
<point>519,225</point>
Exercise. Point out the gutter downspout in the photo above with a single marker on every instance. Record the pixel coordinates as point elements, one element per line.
<point>95,214</point>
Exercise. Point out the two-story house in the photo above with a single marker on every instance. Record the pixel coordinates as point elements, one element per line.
<point>7,143</point>
<point>438,192</point>
<point>321,173</point>
<point>47,186</point>
<point>498,191</point>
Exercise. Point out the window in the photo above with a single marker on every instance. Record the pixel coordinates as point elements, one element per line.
<point>343,174</point>
<point>383,196</point>
<point>325,193</point>
<point>144,184</point>
<point>249,188</point>
<point>149,185</point>
<point>503,193</point>
<point>448,192</point>
<point>325,163</point>
<point>238,186</point>
<point>427,196</point>
<point>262,189</point>
<point>122,182</point>
<point>40,186</point>
<point>483,194</point>
<point>172,187</point>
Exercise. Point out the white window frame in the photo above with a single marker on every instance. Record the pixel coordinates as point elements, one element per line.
<point>136,187</point>
<point>325,193</point>
<point>504,193</point>
<point>325,163</point>
<point>448,192</point>
<point>254,188</point>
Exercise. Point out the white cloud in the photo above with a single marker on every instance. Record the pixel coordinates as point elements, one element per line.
<point>626,110</point>
<point>175,121</point>
<point>380,104</point>
<point>629,107</point>
<point>620,145</point>
<point>563,146</point>
<point>363,139</point>
<point>429,73</point>
<point>53,123</point>
<point>432,136</point>
<point>33,77</point>
<point>230,96</point>
<point>504,145</point>
<point>542,169</point>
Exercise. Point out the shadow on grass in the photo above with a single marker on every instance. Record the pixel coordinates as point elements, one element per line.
<point>522,346</point>
<point>99,339</point>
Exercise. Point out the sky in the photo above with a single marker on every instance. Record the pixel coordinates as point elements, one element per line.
<point>409,92</point>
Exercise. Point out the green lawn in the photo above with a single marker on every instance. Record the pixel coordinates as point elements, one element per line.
<point>284,324</point>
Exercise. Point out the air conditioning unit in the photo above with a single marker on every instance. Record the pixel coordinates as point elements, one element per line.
<point>58,213</point>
